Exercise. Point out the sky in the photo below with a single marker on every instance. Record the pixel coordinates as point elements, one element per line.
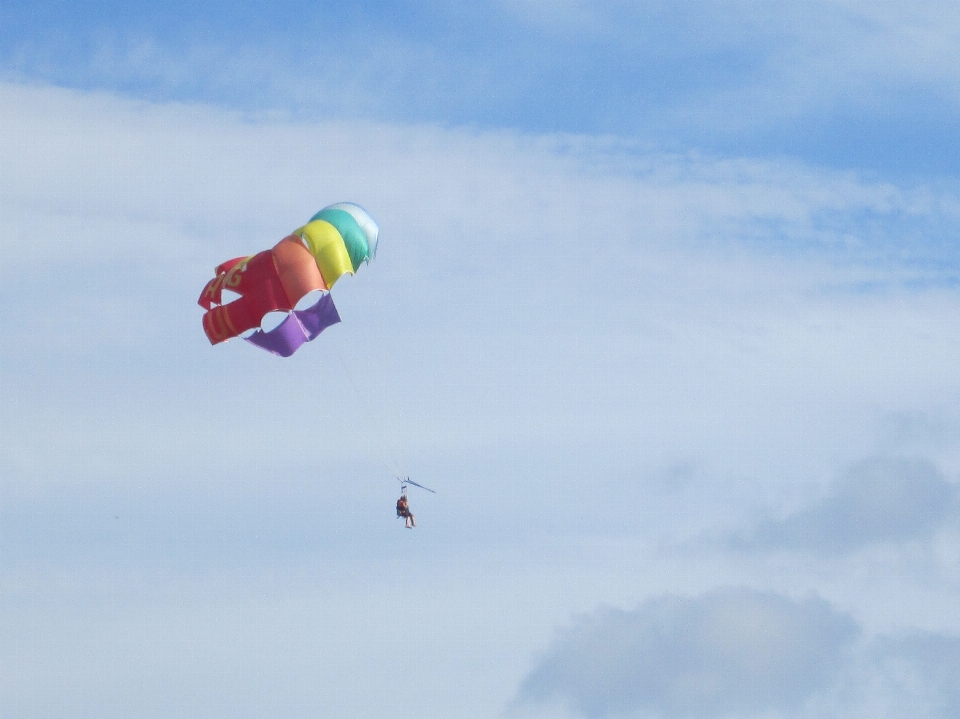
<point>666,309</point>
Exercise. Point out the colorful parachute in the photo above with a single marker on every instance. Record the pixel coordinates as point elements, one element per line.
<point>335,242</point>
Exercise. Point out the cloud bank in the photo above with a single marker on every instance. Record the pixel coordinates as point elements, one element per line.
<point>730,651</point>
<point>602,301</point>
<point>623,348</point>
<point>878,500</point>
<point>743,653</point>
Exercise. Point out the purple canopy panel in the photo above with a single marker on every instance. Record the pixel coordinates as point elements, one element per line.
<point>299,327</point>
<point>317,318</point>
<point>282,340</point>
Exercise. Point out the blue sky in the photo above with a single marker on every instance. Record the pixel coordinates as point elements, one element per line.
<point>666,309</point>
<point>844,84</point>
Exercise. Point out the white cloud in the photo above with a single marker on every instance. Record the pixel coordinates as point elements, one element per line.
<point>617,348</point>
<point>76,158</point>
<point>880,500</point>
<point>568,291</point>
<point>739,653</point>
<point>905,674</point>
<point>727,653</point>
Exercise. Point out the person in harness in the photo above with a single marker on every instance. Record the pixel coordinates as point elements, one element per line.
<point>403,510</point>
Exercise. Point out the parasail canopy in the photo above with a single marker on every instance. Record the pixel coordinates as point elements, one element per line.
<point>335,242</point>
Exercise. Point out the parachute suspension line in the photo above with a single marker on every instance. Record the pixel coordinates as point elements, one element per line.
<point>402,459</point>
<point>388,460</point>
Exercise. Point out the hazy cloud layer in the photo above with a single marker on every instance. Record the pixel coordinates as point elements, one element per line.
<point>879,500</point>
<point>740,653</point>
<point>619,349</point>
<point>731,651</point>
<point>555,254</point>
<point>917,672</point>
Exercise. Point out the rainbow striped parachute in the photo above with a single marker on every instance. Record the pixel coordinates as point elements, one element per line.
<point>335,242</point>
